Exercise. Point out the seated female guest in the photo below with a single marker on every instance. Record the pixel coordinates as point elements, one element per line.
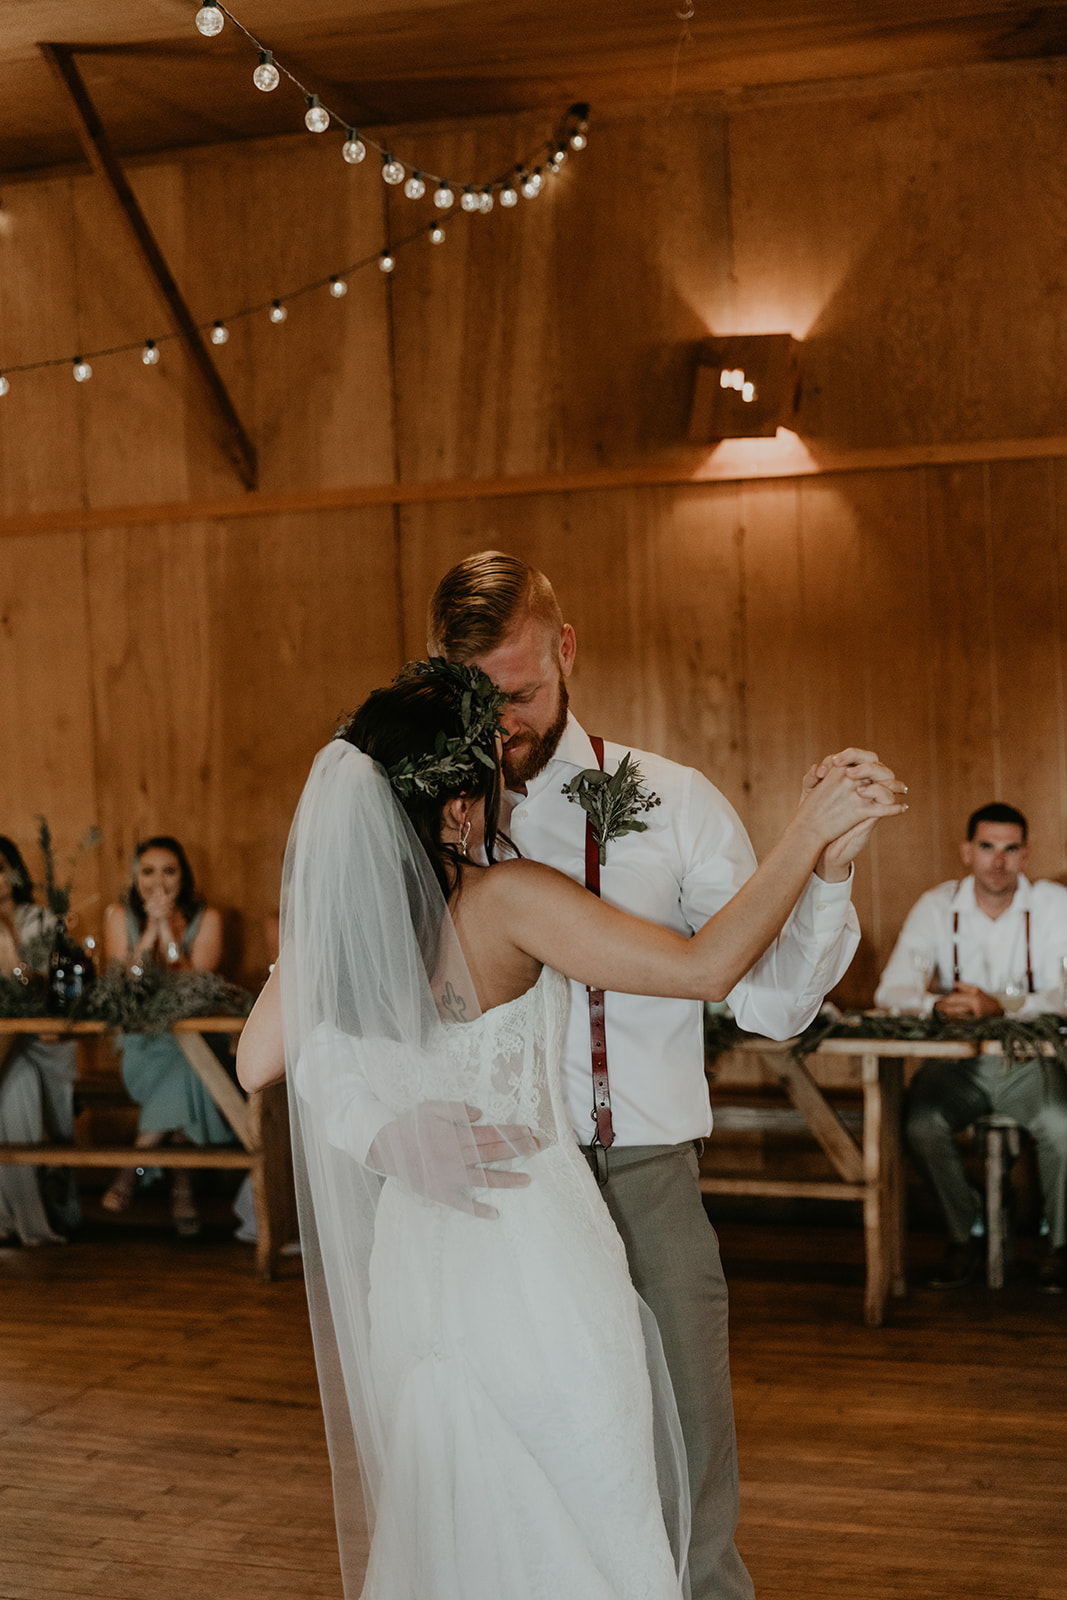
<point>36,1078</point>
<point>163,920</point>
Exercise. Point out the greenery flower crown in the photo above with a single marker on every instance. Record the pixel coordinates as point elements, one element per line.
<point>454,762</point>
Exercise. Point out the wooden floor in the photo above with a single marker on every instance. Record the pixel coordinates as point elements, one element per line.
<point>160,1437</point>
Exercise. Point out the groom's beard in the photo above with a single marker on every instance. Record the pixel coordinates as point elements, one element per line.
<point>536,750</point>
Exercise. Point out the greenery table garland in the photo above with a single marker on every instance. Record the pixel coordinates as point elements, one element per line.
<point>148,1003</point>
<point>1018,1040</point>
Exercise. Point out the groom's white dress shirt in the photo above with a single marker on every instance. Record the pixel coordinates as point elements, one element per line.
<point>990,951</point>
<point>693,857</point>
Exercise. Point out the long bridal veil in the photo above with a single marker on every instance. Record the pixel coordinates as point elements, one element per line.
<point>364,929</point>
<point>373,983</point>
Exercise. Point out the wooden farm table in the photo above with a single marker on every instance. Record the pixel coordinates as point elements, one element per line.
<point>868,1168</point>
<point>260,1121</point>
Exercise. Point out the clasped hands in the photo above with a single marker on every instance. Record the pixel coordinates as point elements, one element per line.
<point>967,1000</point>
<point>158,935</point>
<point>869,777</point>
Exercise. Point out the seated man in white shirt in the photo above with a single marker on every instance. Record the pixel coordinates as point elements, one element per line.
<point>498,612</point>
<point>990,944</point>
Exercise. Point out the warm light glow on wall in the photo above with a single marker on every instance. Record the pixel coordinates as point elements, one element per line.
<point>784,456</point>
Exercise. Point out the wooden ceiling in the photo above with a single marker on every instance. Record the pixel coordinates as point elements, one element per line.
<point>158,85</point>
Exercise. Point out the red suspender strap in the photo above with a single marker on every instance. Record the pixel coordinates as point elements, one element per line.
<point>1029,959</point>
<point>955,948</point>
<point>605,1133</point>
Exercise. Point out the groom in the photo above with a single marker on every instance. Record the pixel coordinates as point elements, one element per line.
<point>498,612</point>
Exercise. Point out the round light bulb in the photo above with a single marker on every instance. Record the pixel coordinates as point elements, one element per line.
<point>437,236</point>
<point>509,195</point>
<point>4,385</point>
<point>353,148</point>
<point>266,75</point>
<point>392,171</point>
<point>485,200</point>
<point>338,288</point>
<point>219,333</point>
<point>150,353</point>
<point>578,140</point>
<point>531,184</point>
<point>278,313</point>
<point>415,188</point>
<point>386,261</point>
<point>82,370</point>
<point>316,117</point>
<point>468,200</point>
<point>748,391</point>
<point>210,20</point>
<point>443,196</point>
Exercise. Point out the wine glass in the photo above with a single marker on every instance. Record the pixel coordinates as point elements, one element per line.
<point>925,967</point>
<point>1012,995</point>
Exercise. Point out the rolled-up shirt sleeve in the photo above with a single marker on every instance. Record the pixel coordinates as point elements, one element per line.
<point>781,994</point>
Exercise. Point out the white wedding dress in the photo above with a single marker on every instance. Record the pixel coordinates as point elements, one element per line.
<point>494,1383</point>
<point>510,1363</point>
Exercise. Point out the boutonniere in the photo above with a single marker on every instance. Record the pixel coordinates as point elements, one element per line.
<point>613,801</point>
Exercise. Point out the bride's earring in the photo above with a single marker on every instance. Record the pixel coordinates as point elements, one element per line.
<point>465,833</point>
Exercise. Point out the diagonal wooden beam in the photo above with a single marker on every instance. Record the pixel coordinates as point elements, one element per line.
<point>94,141</point>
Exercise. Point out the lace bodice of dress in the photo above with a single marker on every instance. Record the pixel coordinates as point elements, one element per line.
<point>506,1062</point>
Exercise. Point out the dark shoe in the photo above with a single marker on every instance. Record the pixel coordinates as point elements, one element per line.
<point>959,1266</point>
<point>1052,1276</point>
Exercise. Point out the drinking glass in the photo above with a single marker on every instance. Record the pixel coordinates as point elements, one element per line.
<point>1013,995</point>
<point>924,965</point>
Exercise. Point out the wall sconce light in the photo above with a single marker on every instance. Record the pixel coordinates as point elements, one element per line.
<point>747,386</point>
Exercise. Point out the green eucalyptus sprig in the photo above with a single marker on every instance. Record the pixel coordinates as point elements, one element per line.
<point>57,896</point>
<point>613,801</point>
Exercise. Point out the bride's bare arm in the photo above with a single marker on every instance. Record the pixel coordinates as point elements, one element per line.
<point>261,1051</point>
<point>557,922</point>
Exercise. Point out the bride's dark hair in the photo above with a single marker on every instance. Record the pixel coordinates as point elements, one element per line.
<point>403,724</point>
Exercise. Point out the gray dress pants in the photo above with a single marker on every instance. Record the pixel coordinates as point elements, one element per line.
<point>653,1195</point>
<point>946,1096</point>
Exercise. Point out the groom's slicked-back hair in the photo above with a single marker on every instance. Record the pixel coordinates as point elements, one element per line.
<point>482,599</point>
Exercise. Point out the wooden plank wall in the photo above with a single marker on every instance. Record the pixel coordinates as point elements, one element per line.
<point>179,676</point>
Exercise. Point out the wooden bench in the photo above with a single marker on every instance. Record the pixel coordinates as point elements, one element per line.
<point>260,1122</point>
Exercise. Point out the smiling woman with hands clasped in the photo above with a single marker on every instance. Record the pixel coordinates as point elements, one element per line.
<point>488,1370</point>
<point>162,921</point>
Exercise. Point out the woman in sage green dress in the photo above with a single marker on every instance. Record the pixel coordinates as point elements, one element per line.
<point>162,919</point>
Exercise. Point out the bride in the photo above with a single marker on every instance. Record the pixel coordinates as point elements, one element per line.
<point>487,1369</point>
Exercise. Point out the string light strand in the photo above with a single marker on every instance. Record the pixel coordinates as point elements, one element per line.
<point>216,325</point>
<point>319,116</point>
<point>524,178</point>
